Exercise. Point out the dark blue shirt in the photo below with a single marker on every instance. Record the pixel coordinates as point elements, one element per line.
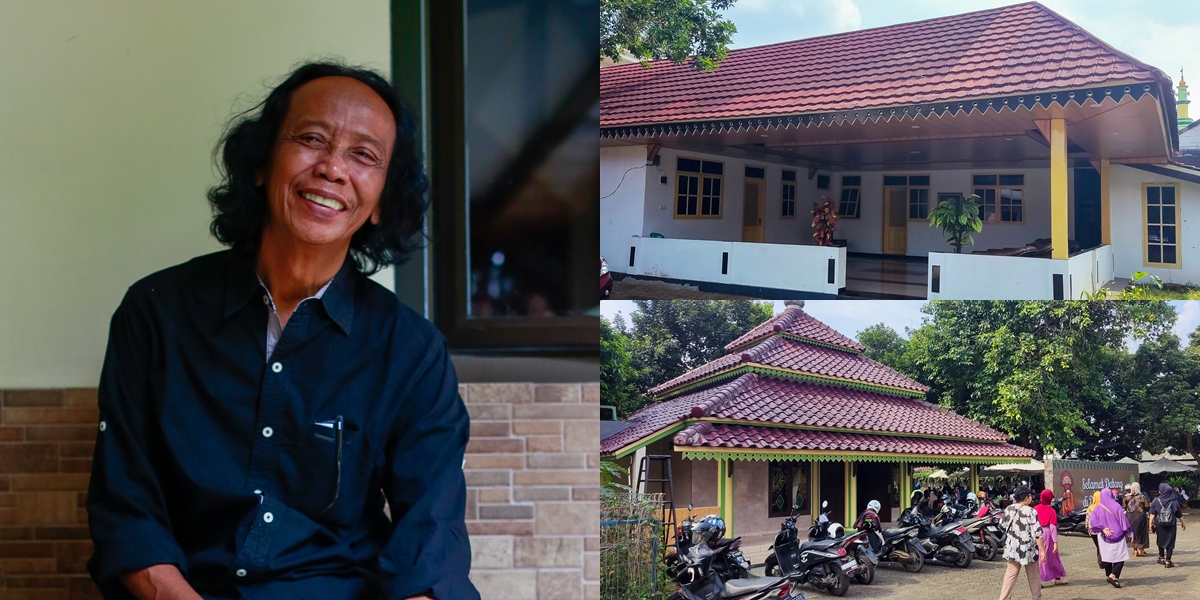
<point>225,464</point>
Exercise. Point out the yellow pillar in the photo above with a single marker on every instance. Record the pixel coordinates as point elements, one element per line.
<point>852,496</point>
<point>974,478</point>
<point>1105,203</point>
<point>1058,188</point>
<point>814,470</point>
<point>726,473</point>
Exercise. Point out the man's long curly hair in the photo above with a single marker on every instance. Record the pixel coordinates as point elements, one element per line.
<point>240,207</point>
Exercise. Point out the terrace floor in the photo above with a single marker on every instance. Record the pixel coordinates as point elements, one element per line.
<point>886,277</point>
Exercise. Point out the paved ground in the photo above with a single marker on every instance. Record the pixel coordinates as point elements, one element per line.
<point>1143,577</point>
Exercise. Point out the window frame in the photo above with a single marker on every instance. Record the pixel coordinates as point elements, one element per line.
<point>975,188</point>
<point>783,200</point>
<point>1178,264</point>
<point>908,188</point>
<point>857,201</point>
<point>700,195</point>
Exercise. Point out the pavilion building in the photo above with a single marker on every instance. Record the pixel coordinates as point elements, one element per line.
<point>796,413</point>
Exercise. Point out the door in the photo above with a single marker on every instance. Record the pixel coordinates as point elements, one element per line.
<point>833,491</point>
<point>1087,208</point>
<point>874,483</point>
<point>895,220</point>
<point>754,199</point>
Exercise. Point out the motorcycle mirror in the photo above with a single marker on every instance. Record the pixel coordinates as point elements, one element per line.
<point>824,503</point>
<point>690,507</point>
<point>795,506</point>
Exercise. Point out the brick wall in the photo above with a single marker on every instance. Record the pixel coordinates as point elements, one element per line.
<point>533,490</point>
<point>532,497</point>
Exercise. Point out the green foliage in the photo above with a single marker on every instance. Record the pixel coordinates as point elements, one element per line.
<point>668,338</point>
<point>1182,482</point>
<point>1138,288</point>
<point>824,223</point>
<point>883,344</point>
<point>632,547</point>
<point>1162,383</point>
<point>678,30</point>
<point>958,219</point>
<point>1034,370</point>
<point>611,474</point>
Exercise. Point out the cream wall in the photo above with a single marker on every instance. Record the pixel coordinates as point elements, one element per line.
<point>109,112</point>
<point>1128,219</point>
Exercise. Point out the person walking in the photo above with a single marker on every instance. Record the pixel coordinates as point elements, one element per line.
<point>1087,524</point>
<point>1135,510</point>
<point>1113,532</point>
<point>1051,566</point>
<point>1164,512</point>
<point>1023,544</point>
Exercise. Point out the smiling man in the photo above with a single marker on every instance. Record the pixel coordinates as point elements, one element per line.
<point>259,405</point>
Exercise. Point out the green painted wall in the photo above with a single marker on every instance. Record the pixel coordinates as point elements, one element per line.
<point>110,113</point>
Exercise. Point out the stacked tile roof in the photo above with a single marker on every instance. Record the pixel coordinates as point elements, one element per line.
<point>738,410</point>
<point>1002,51</point>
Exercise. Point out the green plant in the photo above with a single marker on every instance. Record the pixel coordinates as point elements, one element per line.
<point>1182,482</point>
<point>824,221</point>
<point>1137,288</point>
<point>958,218</point>
<point>610,473</point>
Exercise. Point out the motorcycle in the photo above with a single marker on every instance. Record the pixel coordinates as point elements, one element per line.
<point>819,563</point>
<point>860,559</point>
<point>947,544</point>
<point>697,580</point>
<point>730,563</point>
<point>901,545</point>
<point>1073,521</point>
<point>984,531</point>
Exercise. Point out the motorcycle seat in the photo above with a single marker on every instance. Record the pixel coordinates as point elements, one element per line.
<point>819,544</point>
<point>741,587</point>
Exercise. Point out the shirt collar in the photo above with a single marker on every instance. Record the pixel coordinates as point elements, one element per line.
<point>338,296</point>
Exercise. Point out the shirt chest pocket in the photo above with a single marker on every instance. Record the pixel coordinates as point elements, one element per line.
<point>334,473</point>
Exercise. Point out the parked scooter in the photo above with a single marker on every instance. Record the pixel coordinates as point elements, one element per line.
<point>729,563</point>
<point>948,544</point>
<point>1074,521</point>
<point>860,559</point>
<point>984,531</point>
<point>901,545</point>
<point>696,579</point>
<point>819,563</point>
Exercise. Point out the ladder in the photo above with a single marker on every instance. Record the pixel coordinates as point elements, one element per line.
<point>665,487</point>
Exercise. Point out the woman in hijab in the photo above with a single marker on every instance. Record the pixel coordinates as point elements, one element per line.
<point>1164,512</point>
<point>1087,524</point>
<point>1051,567</point>
<point>1112,529</point>
<point>1135,511</point>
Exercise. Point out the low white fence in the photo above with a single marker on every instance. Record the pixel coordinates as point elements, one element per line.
<point>810,269</point>
<point>986,277</point>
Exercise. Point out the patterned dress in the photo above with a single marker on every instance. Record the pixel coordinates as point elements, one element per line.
<point>1020,523</point>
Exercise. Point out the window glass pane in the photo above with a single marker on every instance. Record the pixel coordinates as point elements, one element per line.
<point>1152,233</point>
<point>688,164</point>
<point>918,180</point>
<point>681,206</point>
<point>683,184</point>
<point>1012,180</point>
<point>1005,213</point>
<point>984,180</point>
<point>713,168</point>
<point>716,186</point>
<point>707,186</point>
<point>1016,195</point>
<point>789,175</point>
<point>705,205</point>
<point>755,172</point>
<point>895,180</point>
<point>691,210</point>
<point>693,183</point>
<point>716,204</point>
<point>1168,215</point>
<point>822,182</point>
<point>1168,195</point>
<point>1152,195</point>
<point>852,180</point>
<point>1169,255</point>
<point>1154,253</point>
<point>1152,214</point>
<point>1016,213</point>
<point>1168,234</point>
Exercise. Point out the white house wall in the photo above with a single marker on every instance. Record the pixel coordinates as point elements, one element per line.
<point>622,202</point>
<point>864,234</point>
<point>1128,221</point>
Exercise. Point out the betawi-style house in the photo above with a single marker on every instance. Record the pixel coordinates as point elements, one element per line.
<point>1071,145</point>
<point>795,413</point>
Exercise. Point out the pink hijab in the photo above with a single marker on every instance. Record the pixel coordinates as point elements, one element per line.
<point>1109,514</point>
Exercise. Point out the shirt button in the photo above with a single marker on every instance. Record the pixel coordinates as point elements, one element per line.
<point>268,432</point>
<point>268,517</point>
<point>241,572</point>
<point>103,425</point>
<point>277,367</point>
<point>258,492</point>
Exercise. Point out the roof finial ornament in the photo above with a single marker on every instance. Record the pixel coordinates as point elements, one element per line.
<point>789,303</point>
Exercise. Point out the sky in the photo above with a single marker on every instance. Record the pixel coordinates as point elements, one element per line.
<point>1164,34</point>
<point>849,317</point>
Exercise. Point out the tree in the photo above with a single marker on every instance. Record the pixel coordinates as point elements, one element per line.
<point>883,344</point>
<point>958,219</point>
<point>1168,398</point>
<point>1034,370</point>
<point>618,375</point>
<point>678,30</point>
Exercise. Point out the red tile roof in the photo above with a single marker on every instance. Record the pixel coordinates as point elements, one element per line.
<point>744,436</point>
<point>795,321</point>
<point>806,358</point>
<point>1009,50</point>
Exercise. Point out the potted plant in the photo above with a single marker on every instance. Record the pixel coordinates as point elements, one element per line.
<point>958,218</point>
<point>824,221</point>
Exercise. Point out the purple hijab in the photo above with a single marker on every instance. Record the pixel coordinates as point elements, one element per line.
<point>1109,514</point>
